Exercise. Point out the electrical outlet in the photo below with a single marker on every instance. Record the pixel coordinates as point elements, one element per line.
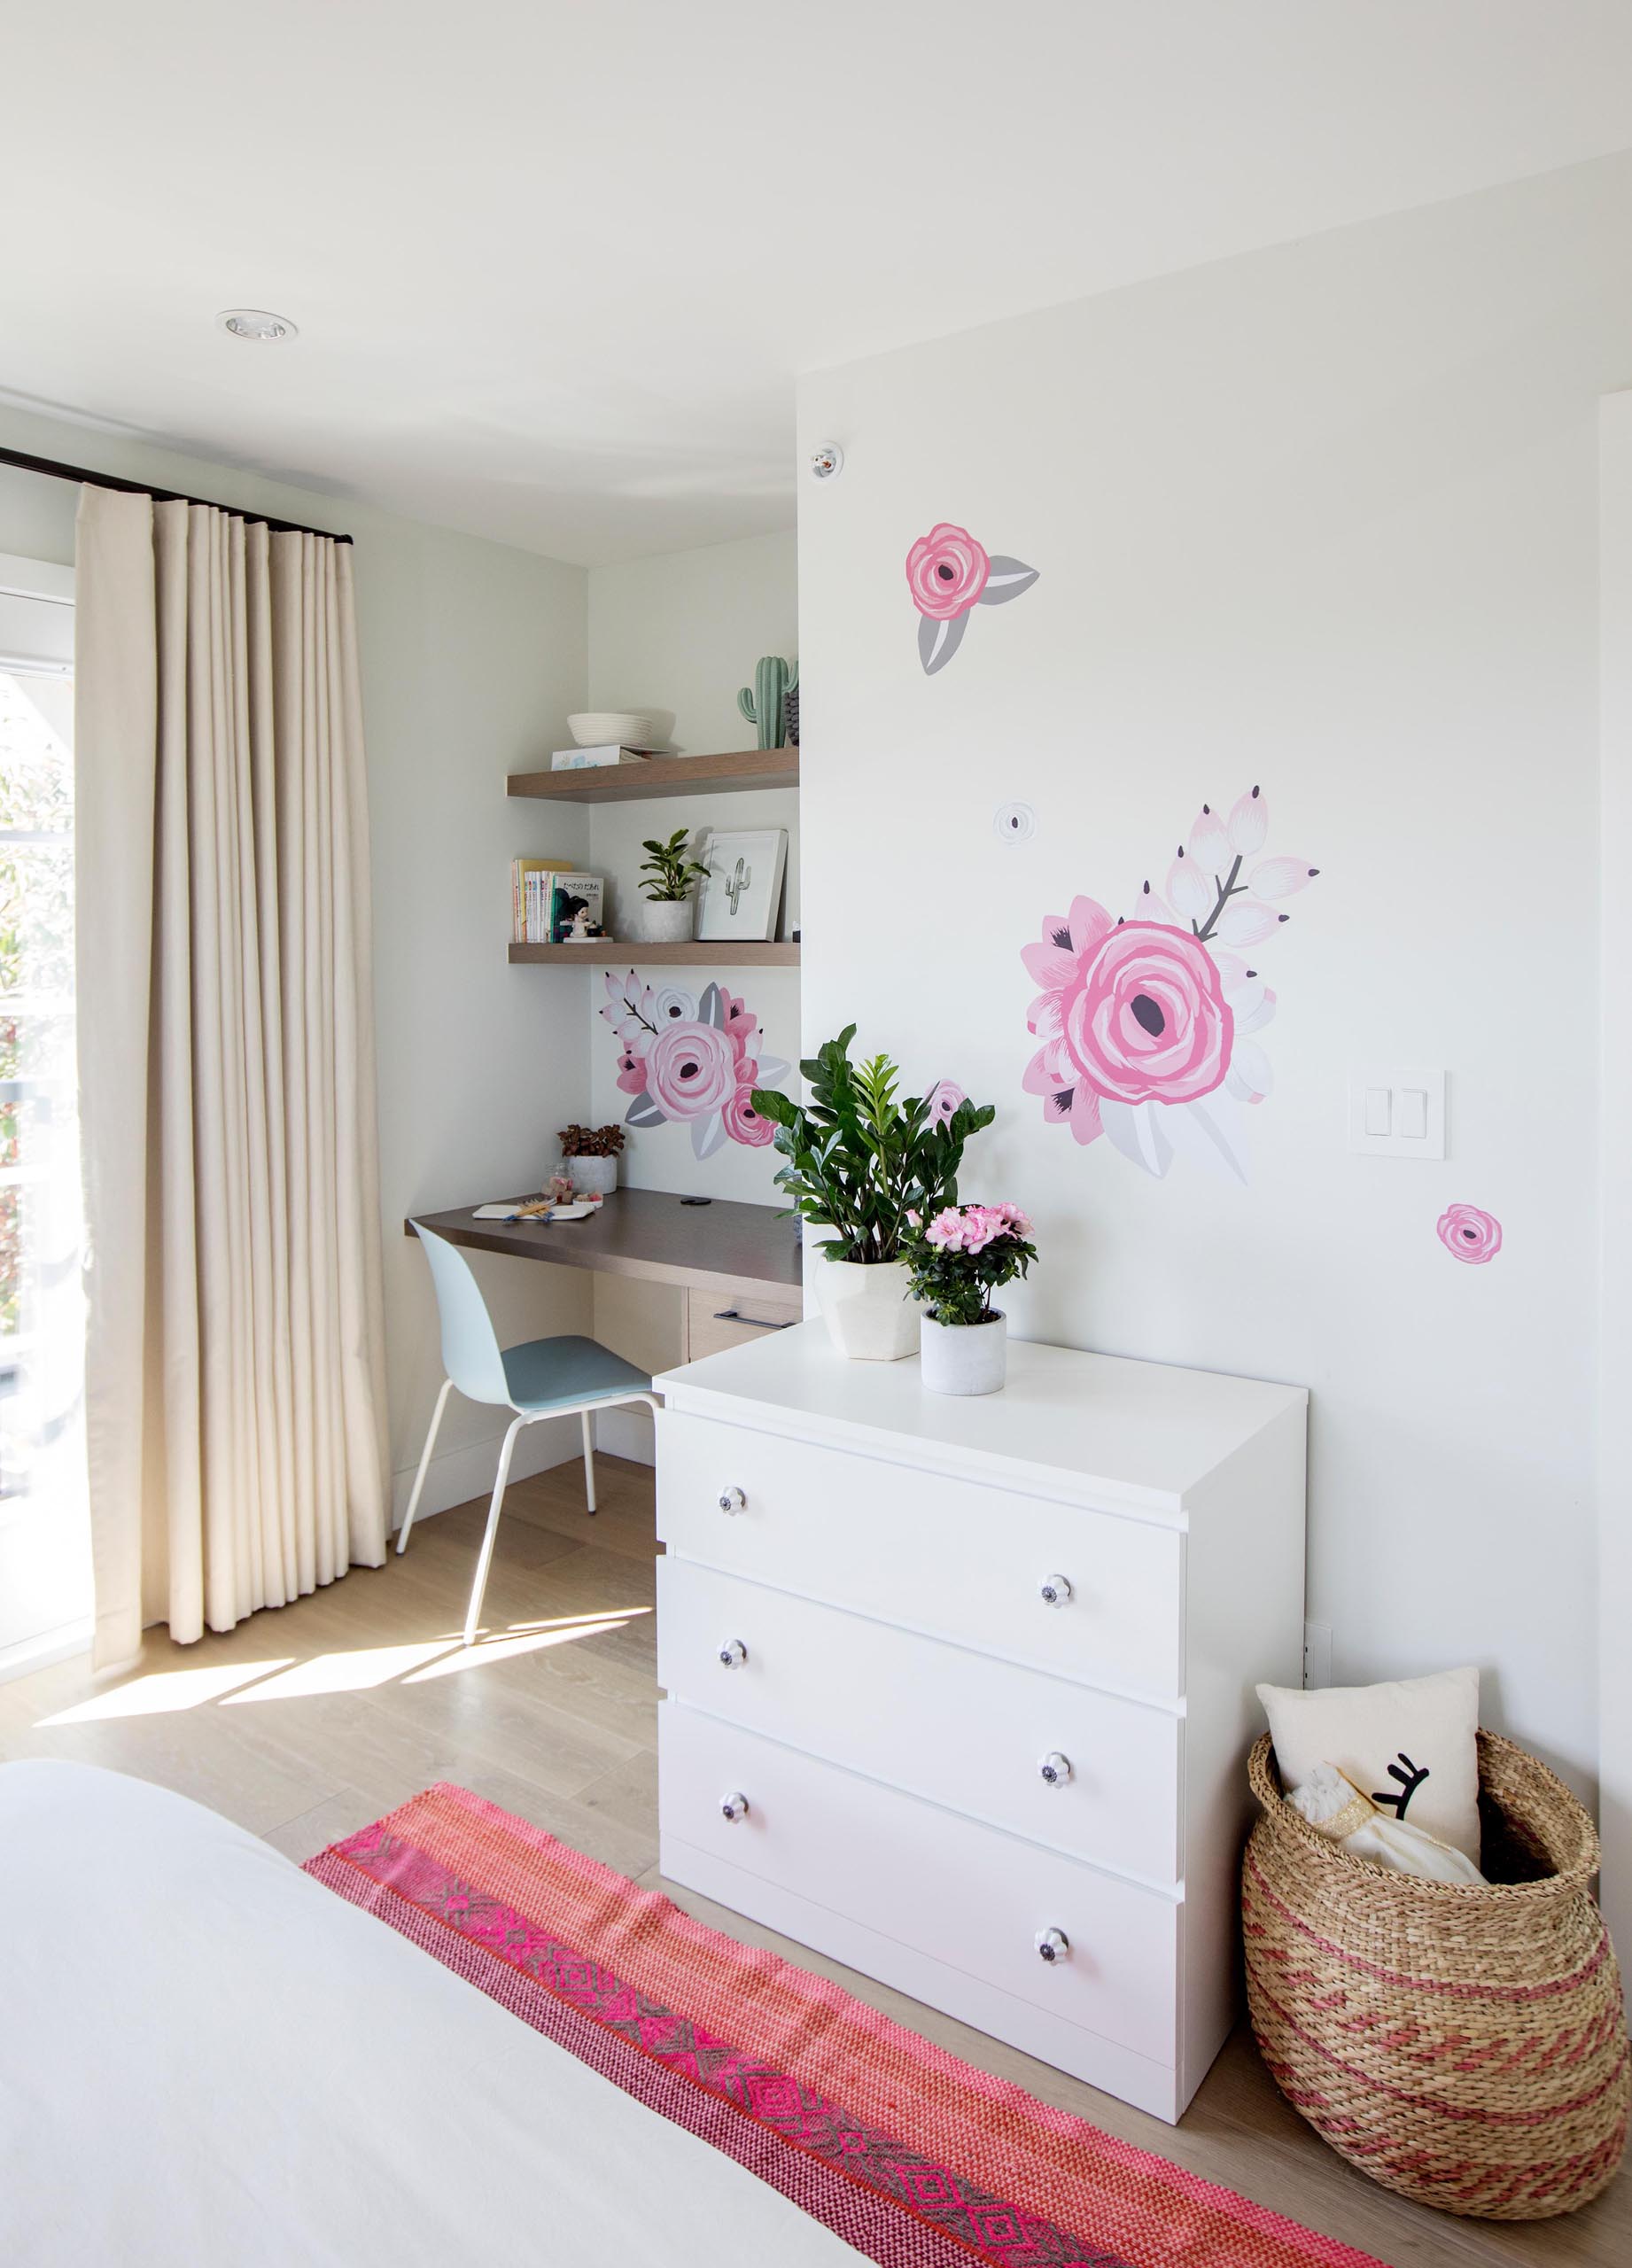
<point>1316,1654</point>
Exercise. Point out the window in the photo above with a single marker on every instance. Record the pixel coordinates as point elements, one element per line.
<point>44,1555</point>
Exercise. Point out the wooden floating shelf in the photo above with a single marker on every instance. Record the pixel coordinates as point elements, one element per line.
<point>662,775</point>
<point>611,952</point>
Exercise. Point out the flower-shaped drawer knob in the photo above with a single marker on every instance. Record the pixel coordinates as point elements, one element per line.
<point>732,1500</point>
<point>1051,1944</point>
<point>734,1807</point>
<point>1054,1769</point>
<point>733,1653</point>
<point>1055,1590</point>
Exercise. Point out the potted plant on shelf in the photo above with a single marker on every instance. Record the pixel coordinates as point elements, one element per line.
<point>592,1153</point>
<point>958,1258</point>
<point>668,893</point>
<point>859,1164</point>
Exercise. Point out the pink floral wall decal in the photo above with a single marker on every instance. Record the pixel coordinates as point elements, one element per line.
<point>690,1062</point>
<point>1147,1024</point>
<point>948,573</point>
<point>1469,1234</point>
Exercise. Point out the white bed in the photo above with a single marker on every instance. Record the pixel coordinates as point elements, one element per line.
<point>208,2061</point>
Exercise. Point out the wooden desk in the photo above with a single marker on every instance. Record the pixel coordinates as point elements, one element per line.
<point>722,1246</point>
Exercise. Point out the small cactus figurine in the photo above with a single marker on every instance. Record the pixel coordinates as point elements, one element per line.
<point>765,708</point>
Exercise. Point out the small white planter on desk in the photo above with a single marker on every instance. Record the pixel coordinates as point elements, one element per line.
<point>591,1176</point>
<point>960,1687</point>
<point>964,1357</point>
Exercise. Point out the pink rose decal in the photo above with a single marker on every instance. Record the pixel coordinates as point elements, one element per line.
<point>690,1070</point>
<point>690,1062</point>
<point>1147,1023</point>
<point>1147,1026</point>
<point>1469,1234</point>
<point>943,1099</point>
<point>742,1122</point>
<point>948,573</point>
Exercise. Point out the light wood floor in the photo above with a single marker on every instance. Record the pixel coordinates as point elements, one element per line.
<point>306,1723</point>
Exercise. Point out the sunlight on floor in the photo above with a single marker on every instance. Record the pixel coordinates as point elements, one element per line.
<point>355,1669</point>
<point>163,1690</point>
<point>522,1641</point>
<point>352,1671</point>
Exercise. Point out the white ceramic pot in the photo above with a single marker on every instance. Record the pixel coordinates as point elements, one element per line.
<point>964,1357</point>
<point>666,921</point>
<point>869,1314</point>
<point>589,1176</point>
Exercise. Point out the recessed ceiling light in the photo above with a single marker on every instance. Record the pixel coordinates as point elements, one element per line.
<point>255,322</point>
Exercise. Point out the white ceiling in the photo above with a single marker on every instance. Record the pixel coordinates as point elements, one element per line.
<point>556,262</point>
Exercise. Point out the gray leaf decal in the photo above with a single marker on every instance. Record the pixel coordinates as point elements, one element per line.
<point>939,642</point>
<point>711,1008</point>
<point>1008,578</point>
<point>644,1112</point>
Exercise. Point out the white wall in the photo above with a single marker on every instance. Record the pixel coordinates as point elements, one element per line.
<point>676,636</point>
<point>472,656</point>
<point>1321,518</point>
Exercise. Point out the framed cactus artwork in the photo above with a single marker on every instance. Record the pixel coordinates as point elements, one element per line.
<point>949,575</point>
<point>1148,1023</point>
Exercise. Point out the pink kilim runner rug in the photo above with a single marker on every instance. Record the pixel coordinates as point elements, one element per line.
<point>916,2159</point>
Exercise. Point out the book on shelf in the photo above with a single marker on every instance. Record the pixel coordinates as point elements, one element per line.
<point>520,868</point>
<point>552,898</point>
<point>584,759</point>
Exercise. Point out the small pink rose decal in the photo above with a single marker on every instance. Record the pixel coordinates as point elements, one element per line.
<point>1147,1020</point>
<point>1469,1234</point>
<point>948,573</point>
<point>942,1099</point>
<point>690,1062</point>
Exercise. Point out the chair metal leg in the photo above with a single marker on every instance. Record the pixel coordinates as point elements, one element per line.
<point>589,1457</point>
<point>478,1589</point>
<point>424,1466</point>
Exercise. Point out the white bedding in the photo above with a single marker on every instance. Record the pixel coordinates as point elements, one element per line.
<point>208,2061</point>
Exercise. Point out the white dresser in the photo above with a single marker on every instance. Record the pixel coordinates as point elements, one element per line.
<point>960,1692</point>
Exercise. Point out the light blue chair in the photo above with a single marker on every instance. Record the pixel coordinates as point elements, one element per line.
<point>546,1377</point>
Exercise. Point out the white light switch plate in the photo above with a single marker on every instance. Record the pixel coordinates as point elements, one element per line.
<point>1397,1113</point>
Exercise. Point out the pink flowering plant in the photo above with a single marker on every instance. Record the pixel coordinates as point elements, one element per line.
<point>960,1255</point>
<point>1148,1023</point>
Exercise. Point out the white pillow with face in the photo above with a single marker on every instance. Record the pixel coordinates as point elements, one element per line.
<point>1409,1745</point>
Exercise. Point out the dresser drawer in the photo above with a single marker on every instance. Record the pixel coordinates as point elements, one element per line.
<point>716,1320</point>
<point>935,1719</point>
<point>966,1895</point>
<point>956,1558</point>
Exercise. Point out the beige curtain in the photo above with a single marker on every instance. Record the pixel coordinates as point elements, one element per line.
<point>235,1393</point>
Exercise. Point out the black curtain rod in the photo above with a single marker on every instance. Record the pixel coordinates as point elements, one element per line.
<point>55,471</point>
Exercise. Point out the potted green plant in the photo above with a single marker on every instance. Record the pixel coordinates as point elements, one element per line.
<point>671,871</point>
<point>591,1154</point>
<point>957,1257</point>
<point>860,1164</point>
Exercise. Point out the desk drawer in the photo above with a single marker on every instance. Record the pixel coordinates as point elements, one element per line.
<point>935,1719</point>
<point>964,1894</point>
<point>716,1320</point>
<point>956,1558</point>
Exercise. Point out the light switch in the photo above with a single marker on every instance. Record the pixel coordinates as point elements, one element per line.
<point>1396,1113</point>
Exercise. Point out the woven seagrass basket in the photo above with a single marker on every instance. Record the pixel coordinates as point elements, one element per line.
<point>1464,2044</point>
